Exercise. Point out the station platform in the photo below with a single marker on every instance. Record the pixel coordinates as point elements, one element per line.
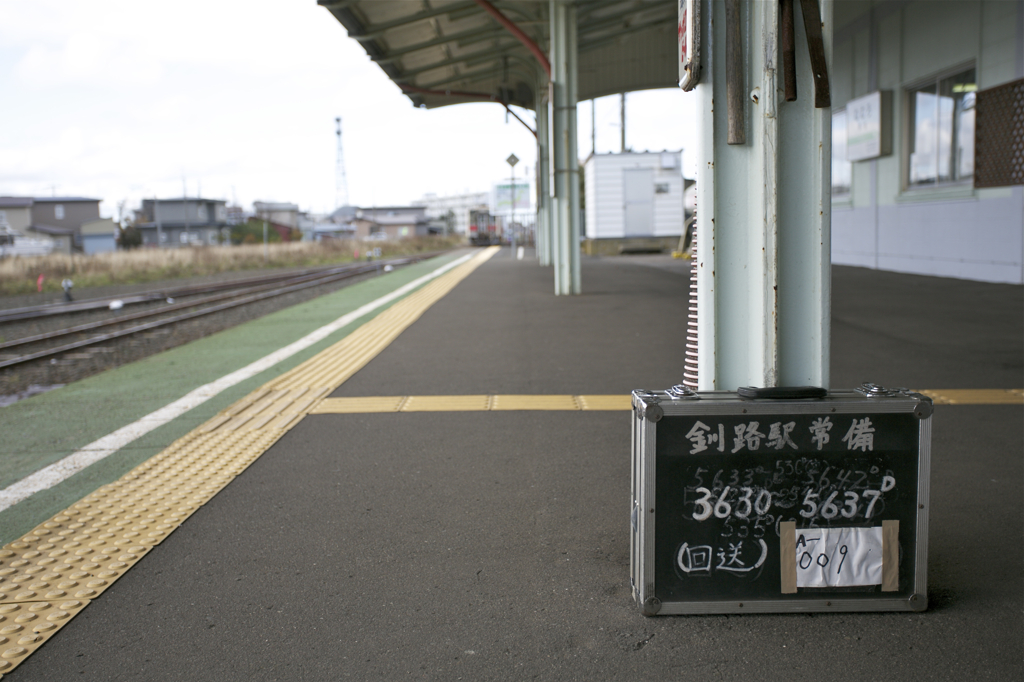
<point>434,484</point>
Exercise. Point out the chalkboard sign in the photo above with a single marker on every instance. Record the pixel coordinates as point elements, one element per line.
<point>779,505</point>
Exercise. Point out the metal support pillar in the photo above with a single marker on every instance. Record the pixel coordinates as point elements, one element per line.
<point>566,210</point>
<point>543,180</point>
<point>572,154</point>
<point>763,211</point>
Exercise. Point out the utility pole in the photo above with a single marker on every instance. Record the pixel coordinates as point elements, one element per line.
<point>512,160</point>
<point>340,179</point>
<point>156,218</point>
<point>184,201</point>
<point>593,126</point>
<point>622,120</point>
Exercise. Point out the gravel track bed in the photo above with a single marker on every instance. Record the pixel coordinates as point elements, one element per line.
<point>94,359</point>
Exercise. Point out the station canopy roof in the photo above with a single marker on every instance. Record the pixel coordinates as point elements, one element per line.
<point>443,52</point>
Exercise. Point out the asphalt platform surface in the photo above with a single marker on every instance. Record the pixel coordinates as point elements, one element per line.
<point>495,545</point>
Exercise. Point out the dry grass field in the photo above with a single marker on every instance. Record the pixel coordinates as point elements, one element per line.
<point>19,275</point>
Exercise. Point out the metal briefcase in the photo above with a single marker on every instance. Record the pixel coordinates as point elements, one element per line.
<point>777,502</point>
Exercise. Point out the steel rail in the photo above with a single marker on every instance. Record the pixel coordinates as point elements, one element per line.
<point>62,308</point>
<point>350,272</point>
<point>110,322</point>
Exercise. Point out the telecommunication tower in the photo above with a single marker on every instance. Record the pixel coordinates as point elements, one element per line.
<point>340,181</point>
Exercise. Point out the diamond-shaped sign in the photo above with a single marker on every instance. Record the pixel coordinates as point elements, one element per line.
<point>512,160</point>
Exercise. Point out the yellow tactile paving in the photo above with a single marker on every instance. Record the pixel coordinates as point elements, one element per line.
<point>52,572</point>
<point>446,403</point>
<point>357,405</point>
<point>976,396</point>
<point>534,402</point>
<point>26,627</point>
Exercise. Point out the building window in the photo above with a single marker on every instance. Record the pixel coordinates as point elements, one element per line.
<point>58,211</point>
<point>662,188</point>
<point>941,134</point>
<point>842,169</point>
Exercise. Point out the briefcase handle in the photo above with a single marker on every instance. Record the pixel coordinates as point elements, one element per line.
<point>781,392</point>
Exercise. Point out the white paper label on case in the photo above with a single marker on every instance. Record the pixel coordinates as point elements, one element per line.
<point>838,557</point>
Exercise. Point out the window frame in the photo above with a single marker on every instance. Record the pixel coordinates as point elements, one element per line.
<point>960,186</point>
<point>847,196</point>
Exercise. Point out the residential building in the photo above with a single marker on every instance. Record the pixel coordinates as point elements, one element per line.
<point>16,212</point>
<point>57,218</point>
<point>395,222</point>
<point>450,214</point>
<point>99,235</point>
<point>188,221</point>
<point>278,213</point>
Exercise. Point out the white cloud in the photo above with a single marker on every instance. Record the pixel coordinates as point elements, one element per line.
<point>123,99</point>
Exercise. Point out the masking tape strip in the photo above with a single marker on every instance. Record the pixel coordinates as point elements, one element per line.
<point>890,556</point>
<point>787,559</point>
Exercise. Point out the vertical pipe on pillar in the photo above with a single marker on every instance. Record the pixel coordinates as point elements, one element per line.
<point>574,280</point>
<point>543,180</point>
<point>552,232</point>
<point>622,123</point>
<point>566,223</point>
<point>559,131</point>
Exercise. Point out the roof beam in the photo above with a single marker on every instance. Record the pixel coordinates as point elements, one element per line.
<point>617,19</point>
<point>472,58</point>
<point>598,42</point>
<point>374,31</point>
<point>393,55</point>
<point>474,76</point>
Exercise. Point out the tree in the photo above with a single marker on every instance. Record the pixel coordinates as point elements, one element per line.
<point>128,236</point>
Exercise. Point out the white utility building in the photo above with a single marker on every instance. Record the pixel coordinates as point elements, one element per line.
<point>634,201</point>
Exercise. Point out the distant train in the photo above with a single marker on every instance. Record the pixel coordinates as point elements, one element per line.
<point>483,229</point>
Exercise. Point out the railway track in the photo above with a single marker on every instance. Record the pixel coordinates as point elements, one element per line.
<point>202,301</point>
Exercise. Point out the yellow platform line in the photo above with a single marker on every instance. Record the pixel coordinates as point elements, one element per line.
<point>54,571</point>
<point>976,396</point>
<point>487,403</point>
<point>473,403</point>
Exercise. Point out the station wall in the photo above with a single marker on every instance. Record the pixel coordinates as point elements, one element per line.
<point>884,221</point>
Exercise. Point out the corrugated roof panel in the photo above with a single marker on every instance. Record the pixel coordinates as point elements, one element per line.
<point>455,48</point>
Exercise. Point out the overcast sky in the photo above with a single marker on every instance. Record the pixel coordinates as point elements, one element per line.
<point>236,99</point>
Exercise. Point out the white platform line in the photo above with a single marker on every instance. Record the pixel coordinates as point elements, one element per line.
<point>53,474</point>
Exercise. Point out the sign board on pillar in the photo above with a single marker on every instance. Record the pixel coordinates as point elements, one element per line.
<point>780,505</point>
<point>869,126</point>
<point>689,44</point>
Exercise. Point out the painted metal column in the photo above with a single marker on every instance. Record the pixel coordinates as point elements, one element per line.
<point>556,95</point>
<point>565,204</point>
<point>572,152</point>
<point>763,210</point>
<point>543,180</point>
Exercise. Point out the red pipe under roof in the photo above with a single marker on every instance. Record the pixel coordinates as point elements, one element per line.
<point>517,32</point>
